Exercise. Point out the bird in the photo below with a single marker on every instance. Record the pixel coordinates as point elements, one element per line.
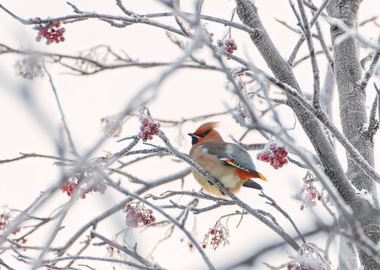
<point>230,163</point>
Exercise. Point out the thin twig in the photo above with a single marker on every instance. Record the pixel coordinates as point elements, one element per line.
<point>371,70</point>
<point>314,63</point>
<point>302,38</point>
<point>273,203</point>
<point>172,220</point>
<point>63,118</point>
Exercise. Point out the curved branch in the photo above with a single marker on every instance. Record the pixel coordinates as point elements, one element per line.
<point>239,202</point>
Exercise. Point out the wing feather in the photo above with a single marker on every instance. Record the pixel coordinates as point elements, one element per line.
<point>231,155</point>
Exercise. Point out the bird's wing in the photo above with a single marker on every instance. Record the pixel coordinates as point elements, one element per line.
<point>231,154</point>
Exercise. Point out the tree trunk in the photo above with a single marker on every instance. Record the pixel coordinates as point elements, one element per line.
<point>352,102</point>
<point>352,107</point>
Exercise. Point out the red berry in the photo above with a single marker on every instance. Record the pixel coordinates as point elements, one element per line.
<point>148,128</point>
<point>274,154</point>
<point>51,32</point>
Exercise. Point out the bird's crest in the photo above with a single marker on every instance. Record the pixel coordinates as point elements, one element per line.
<point>205,128</point>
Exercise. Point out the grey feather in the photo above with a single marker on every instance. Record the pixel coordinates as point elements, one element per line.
<point>231,151</point>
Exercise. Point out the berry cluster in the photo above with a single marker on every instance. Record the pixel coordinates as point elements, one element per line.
<point>69,187</point>
<point>148,128</point>
<point>216,236</point>
<point>228,45</point>
<point>29,67</point>
<point>309,258</point>
<point>86,181</point>
<point>52,32</point>
<point>275,154</point>
<point>3,221</point>
<point>137,214</point>
<point>309,195</point>
<point>5,218</point>
<point>94,184</point>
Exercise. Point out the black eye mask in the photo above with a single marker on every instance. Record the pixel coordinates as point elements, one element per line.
<point>195,137</point>
<point>204,134</point>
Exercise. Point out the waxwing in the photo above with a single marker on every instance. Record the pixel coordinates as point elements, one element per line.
<point>228,162</point>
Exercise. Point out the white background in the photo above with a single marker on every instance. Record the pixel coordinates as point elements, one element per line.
<point>86,99</point>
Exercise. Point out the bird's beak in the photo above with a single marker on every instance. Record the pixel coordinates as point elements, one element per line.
<point>194,138</point>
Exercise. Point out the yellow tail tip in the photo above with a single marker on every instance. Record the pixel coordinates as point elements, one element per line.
<point>259,175</point>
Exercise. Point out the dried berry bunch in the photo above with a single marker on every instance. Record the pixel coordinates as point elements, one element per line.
<point>137,214</point>
<point>29,67</point>
<point>148,128</point>
<point>274,153</point>
<point>309,195</point>
<point>86,181</point>
<point>308,258</point>
<point>228,45</point>
<point>216,236</point>
<point>52,32</point>
<point>6,218</point>
<point>69,186</point>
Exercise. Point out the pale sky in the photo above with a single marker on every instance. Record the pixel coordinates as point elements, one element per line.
<point>86,99</point>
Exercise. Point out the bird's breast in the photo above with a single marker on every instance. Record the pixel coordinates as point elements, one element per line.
<point>216,168</point>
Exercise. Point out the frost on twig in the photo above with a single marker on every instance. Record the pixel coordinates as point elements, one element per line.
<point>309,195</point>
<point>219,233</point>
<point>365,195</point>
<point>85,180</point>
<point>29,67</point>
<point>309,258</point>
<point>112,125</point>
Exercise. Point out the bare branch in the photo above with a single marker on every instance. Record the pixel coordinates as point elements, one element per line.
<point>371,70</point>
<point>273,203</point>
<point>172,220</point>
<point>245,206</point>
<point>314,64</point>
<point>302,38</point>
<point>34,155</point>
<point>63,118</point>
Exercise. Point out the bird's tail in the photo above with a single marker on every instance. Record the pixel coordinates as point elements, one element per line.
<point>252,184</point>
<point>259,175</point>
